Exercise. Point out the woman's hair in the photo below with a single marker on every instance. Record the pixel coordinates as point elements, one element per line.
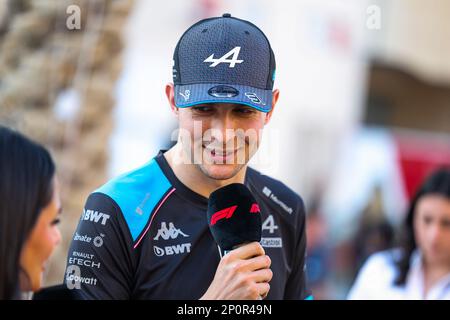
<point>26,187</point>
<point>438,183</point>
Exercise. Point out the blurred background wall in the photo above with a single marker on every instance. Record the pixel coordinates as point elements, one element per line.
<point>363,116</point>
<point>57,85</point>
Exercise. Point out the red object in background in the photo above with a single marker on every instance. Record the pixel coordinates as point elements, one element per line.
<point>418,158</point>
<point>209,8</point>
<point>339,35</point>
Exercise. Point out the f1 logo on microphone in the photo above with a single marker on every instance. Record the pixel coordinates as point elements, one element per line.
<point>227,213</point>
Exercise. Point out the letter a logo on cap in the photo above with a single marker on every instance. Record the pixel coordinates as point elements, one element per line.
<point>233,52</point>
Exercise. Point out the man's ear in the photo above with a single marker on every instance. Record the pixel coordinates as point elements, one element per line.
<point>170,93</point>
<point>275,96</point>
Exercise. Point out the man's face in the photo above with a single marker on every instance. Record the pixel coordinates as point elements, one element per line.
<point>220,138</point>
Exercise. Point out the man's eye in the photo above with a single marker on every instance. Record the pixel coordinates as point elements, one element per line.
<point>244,110</point>
<point>202,109</point>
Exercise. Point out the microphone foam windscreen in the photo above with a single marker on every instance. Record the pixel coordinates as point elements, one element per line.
<point>234,217</point>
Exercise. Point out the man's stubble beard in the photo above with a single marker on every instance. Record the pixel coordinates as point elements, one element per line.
<point>248,154</point>
<point>230,175</point>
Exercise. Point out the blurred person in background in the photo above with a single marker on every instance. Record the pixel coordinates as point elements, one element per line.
<point>370,239</point>
<point>420,267</point>
<point>318,262</point>
<point>29,214</point>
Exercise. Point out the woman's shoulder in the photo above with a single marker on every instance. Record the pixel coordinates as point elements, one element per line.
<point>383,259</point>
<point>376,277</point>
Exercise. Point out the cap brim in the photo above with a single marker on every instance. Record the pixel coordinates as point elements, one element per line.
<point>193,94</point>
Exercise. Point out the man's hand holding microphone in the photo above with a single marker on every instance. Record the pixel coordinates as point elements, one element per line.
<point>244,271</point>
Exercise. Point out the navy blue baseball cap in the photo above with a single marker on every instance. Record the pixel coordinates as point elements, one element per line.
<point>224,59</point>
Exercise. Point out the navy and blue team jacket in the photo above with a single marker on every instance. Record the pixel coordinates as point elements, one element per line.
<point>144,235</point>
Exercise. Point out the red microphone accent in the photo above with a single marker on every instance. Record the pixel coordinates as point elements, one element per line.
<point>254,208</point>
<point>226,213</point>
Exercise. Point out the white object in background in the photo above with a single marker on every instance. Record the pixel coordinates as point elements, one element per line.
<point>376,280</point>
<point>67,105</point>
<point>368,161</point>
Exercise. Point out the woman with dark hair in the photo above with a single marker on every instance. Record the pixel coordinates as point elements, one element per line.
<point>420,267</point>
<point>29,213</point>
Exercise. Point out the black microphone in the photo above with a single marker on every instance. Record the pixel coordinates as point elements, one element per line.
<point>234,217</point>
<point>59,292</point>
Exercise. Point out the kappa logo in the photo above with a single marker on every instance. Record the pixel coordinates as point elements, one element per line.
<point>169,233</point>
<point>186,94</point>
<point>224,59</point>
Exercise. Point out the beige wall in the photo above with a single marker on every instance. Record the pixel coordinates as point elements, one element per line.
<point>417,37</point>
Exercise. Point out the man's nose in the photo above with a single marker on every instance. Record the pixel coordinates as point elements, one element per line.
<point>222,128</point>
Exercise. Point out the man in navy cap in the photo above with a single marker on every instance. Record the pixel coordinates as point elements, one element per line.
<point>144,235</point>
